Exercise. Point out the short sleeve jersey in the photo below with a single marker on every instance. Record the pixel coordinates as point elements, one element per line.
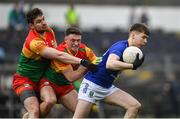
<point>31,63</point>
<point>54,73</point>
<point>103,76</point>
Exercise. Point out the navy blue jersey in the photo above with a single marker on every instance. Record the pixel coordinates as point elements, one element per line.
<point>103,76</point>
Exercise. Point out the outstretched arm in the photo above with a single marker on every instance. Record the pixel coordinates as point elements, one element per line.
<point>52,53</point>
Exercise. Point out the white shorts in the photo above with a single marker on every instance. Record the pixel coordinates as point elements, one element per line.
<point>93,93</point>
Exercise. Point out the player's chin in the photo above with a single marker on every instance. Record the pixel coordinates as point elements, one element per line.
<point>75,48</point>
<point>143,44</point>
<point>45,29</point>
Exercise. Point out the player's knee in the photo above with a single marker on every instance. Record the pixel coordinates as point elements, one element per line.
<point>35,111</point>
<point>136,106</point>
<point>51,101</point>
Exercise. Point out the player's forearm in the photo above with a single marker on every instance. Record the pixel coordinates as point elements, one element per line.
<point>75,75</point>
<point>69,59</point>
<point>118,65</point>
<point>52,53</point>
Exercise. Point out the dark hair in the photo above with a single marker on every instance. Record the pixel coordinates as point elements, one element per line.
<point>140,27</point>
<point>73,30</point>
<point>33,14</point>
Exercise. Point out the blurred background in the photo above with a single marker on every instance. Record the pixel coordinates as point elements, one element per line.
<point>103,22</point>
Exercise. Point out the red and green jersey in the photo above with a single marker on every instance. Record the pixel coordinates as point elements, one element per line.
<point>54,73</point>
<point>31,63</point>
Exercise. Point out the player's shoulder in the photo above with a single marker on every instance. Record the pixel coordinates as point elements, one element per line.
<point>61,46</point>
<point>119,46</point>
<point>82,45</point>
<point>121,43</point>
<point>32,35</point>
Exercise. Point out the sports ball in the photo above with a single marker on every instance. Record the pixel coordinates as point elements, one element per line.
<point>129,54</point>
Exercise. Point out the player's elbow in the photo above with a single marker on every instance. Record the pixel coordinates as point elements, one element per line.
<point>109,65</point>
<point>70,78</point>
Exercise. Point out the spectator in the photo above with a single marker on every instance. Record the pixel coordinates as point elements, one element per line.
<point>72,18</point>
<point>17,27</point>
<point>132,16</point>
<point>17,19</point>
<point>144,18</point>
<point>172,88</point>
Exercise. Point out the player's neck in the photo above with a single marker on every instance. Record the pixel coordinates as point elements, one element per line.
<point>73,52</point>
<point>40,32</point>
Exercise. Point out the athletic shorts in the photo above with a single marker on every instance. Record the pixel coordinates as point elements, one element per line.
<point>93,93</point>
<point>21,83</point>
<point>59,90</point>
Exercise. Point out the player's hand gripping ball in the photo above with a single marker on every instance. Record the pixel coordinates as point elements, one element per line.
<point>129,54</point>
<point>134,56</point>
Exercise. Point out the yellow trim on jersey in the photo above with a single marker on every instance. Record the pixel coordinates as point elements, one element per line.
<point>36,46</point>
<point>90,54</point>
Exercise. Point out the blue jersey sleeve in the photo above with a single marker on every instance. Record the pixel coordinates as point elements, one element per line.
<point>117,49</point>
